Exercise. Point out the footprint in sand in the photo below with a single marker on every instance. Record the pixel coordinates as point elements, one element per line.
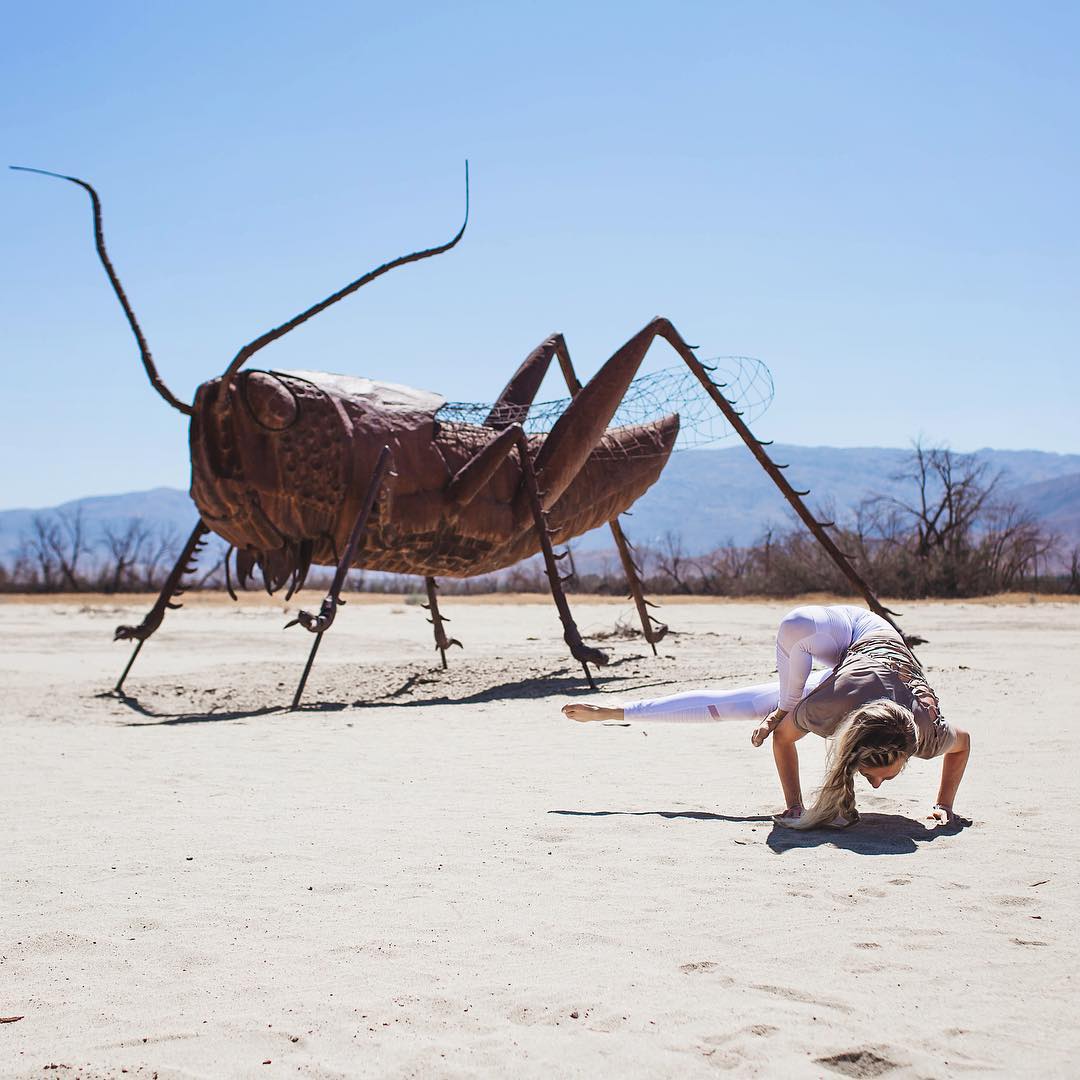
<point>791,994</point>
<point>700,965</point>
<point>861,1063</point>
<point>1014,901</point>
<point>759,1031</point>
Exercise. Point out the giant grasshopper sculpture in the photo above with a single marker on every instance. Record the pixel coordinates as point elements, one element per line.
<point>299,468</point>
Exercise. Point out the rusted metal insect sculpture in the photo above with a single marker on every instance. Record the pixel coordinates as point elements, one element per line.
<point>295,468</point>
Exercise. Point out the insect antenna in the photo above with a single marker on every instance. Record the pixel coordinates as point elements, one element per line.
<point>272,335</point>
<point>103,255</point>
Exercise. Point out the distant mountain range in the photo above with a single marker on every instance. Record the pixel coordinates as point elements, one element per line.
<point>162,508</point>
<point>715,497</point>
<point>707,497</point>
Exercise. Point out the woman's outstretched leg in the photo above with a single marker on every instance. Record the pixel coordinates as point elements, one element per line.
<point>695,707</point>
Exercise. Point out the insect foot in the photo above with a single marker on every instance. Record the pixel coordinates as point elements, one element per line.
<point>586,654</point>
<point>317,624</point>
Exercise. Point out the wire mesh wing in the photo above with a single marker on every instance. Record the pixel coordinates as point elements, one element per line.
<point>745,381</point>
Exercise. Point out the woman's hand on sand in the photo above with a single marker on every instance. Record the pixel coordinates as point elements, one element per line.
<point>767,726</point>
<point>945,815</point>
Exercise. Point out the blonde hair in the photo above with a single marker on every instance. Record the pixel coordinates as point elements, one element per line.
<point>876,735</point>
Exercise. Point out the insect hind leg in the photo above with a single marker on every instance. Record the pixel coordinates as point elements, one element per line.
<point>578,431</point>
<point>652,628</point>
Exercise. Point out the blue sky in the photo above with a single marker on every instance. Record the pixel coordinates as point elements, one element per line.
<point>879,200</point>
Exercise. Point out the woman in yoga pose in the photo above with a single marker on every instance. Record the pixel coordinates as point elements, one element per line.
<point>873,696</point>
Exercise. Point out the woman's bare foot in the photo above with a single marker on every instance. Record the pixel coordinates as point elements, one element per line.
<point>766,727</point>
<point>583,713</point>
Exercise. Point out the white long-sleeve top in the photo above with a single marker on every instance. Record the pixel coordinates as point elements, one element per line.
<point>816,632</point>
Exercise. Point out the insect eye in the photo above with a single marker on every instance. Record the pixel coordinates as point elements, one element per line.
<point>270,401</point>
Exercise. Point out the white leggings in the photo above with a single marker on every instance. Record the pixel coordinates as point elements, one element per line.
<point>809,633</point>
<point>710,706</point>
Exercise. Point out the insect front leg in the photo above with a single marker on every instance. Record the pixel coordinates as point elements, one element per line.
<point>167,599</point>
<point>319,623</point>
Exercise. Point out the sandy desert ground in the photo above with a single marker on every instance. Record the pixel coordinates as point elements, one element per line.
<point>428,873</point>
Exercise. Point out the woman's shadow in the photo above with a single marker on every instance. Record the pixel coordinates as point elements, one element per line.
<point>874,834</point>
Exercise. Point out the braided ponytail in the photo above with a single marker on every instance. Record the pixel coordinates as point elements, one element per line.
<point>876,735</point>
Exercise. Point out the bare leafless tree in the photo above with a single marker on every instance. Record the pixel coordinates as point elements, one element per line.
<point>955,535</point>
<point>123,548</point>
<point>673,563</point>
<point>951,490</point>
<point>36,551</point>
<point>57,544</point>
<point>159,554</point>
